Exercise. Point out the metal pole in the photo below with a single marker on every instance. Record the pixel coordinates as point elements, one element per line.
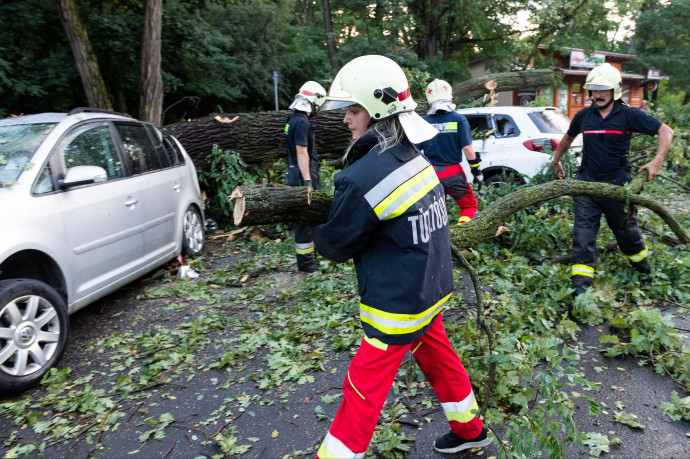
<point>276,77</point>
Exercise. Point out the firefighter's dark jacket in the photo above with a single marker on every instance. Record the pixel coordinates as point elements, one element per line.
<point>454,134</point>
<point>606,141</point>
<point>389,216</point>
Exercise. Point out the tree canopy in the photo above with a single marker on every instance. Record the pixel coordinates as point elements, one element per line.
<point>220,55</point>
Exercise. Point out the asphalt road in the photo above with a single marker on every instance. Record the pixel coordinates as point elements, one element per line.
<point>282,422</point>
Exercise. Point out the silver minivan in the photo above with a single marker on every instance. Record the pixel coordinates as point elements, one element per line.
<point>90,200</point>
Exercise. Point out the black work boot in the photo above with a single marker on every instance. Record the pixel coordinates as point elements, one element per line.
<point>581,284</point>
<point>307,262</point>
<point>643,267</point>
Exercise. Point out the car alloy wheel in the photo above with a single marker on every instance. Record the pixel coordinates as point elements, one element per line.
<point>193,232</point>
<point>33,332</point>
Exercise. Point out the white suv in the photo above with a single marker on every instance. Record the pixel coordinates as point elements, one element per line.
<point>515,142</point>
<point>91,200</point>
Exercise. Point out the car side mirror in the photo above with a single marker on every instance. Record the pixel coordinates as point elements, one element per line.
<point>83,175</point>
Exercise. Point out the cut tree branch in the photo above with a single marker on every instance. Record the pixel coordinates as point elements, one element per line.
<point>268,204</point>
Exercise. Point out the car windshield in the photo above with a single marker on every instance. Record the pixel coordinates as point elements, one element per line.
<point>550,121</point>
<point>18,142</point>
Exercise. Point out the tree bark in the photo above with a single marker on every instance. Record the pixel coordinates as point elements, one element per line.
<point>475,88</point>
<point>151,89</point>
<point>330,39</point>
<point>262,205</point>
<point>259,138</point>
<point>84,56</point>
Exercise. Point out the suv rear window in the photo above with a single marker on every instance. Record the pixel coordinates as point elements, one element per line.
<point>550,121</point>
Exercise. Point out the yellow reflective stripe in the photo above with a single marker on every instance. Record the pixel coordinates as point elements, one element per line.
<point>332,448</point>
<point>464,219</point>
<point>304,248</point>
<point>461,411</point>
<point>399,324</point>
<point>353,386</point>
<point>407,194</point>
<point>474,165</point>
<point>416,347</point>
<point>582,270</point>
<point>393,180</point>
<point>287,127</point>
<point>639,256</point>
<point>377,343</point>
<point>452,126</point>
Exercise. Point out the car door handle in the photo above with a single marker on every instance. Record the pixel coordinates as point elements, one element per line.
<point>131,202</point>
<point>177,187</point>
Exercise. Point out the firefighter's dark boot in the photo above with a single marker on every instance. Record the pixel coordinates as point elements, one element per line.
<point>307,262</point>
<point>581,283</point>
<point>643,267</point>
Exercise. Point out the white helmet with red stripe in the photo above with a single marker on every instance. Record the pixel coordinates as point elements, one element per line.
<point>379,85</point>
<point>311,92</point>
<point>376,83</point>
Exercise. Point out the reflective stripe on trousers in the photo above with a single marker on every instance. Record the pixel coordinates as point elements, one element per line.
<point>370,377</point>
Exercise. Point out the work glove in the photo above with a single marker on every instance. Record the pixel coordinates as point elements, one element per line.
<point>475,169</point>
<point>307,183</point>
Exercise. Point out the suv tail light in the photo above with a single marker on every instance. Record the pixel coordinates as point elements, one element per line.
<point>541,144</point>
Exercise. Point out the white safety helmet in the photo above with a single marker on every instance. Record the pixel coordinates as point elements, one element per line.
<point>603,77</point>
<point>438,90</point>
<point>379,85</point>
<point>311,92</point>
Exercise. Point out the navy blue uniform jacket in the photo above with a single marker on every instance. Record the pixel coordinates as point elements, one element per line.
<point>445,149</point>
<point>606,141</point>
<point>389,216</point>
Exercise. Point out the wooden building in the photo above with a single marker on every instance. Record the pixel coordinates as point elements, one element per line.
<point>574,65</point>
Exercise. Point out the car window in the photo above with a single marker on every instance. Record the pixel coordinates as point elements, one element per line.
<point>479,125</point>
<point>505,126</point>
<point>164,156</point>
<point>550,121</point>
<point>172,150</point>
<point>139,148</point>
<point>45,183</point>
<point>91,145</point>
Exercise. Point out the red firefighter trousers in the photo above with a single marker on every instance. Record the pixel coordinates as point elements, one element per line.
<point>370,377</point>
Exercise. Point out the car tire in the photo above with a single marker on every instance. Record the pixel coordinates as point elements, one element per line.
<point>192,232</point>
<point>504,178</point>
<point>33,332</point>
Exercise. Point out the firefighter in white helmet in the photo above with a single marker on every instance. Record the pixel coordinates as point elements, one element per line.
<point>607,126</point>
<point>445,150</point>
<point>303,162</point>
<point>389,216</point>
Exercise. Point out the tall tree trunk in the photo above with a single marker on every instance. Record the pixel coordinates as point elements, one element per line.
<point>330,40</point>
<point>151,90</point>
<point>84,56</point>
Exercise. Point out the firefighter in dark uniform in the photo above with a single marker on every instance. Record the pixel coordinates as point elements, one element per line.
<point>303,163</point>
<point>607,126</point>
<point>445,151</point>
<point>389,216</point>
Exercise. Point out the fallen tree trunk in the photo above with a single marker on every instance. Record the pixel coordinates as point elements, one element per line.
<point>262,205</point>
<point>259,138</point>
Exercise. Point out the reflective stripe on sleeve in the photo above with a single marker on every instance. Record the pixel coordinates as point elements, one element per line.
<point>582,270</point>
<point>408,193</point>
<point>461,411</point>
<point>639,256</point>
<point>332,448</point>
<point>287,127</point>
<point>399,324</point>
<point>305,248</point>
<point>401,188</point>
